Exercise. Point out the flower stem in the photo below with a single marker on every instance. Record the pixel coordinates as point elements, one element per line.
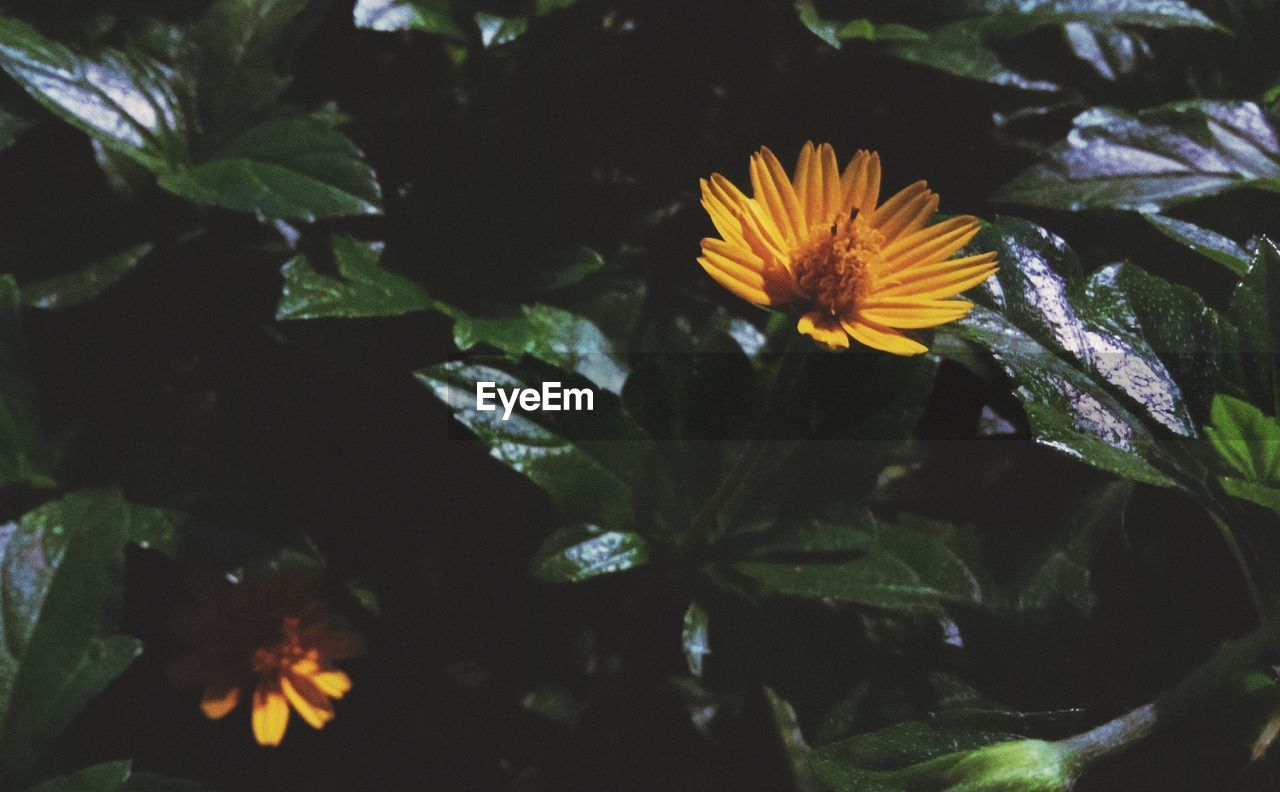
<point>1192,693</point>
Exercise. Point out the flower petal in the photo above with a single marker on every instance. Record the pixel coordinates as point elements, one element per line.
<point>883,338</point>
<point>935,243</point>
<point>310,702</point>
<point>941,279</point>
<point>218,700</point>
<point>744,273</point>
<point>773,190</point>
<point>823,328</point>
<point>270,715</point>
<point>860,184</point>
<point>894,214</point>
<point>723,215</point>
<point>334,683</point>
<point>913,313</point>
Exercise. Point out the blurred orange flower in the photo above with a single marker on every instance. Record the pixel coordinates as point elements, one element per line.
<point>272,635</point>
<point>861,269</point>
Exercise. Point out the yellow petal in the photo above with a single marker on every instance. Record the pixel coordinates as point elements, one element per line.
<point>935,243</point>
<point>894,213</point>
<point>334,683</point>
<point>751,292</point>
<point>310,702</point>
<point>860,184</point>
<point>218,701</point>
<point>824,329</point>
<point>270,715</point>
<point>883,338</point>
<point>774,192</point>
<point>911,217</point>
<point>941,279</point>
<point>833,197</point>
<point>723,215</point>
<point>912,313</point>
<point>804,180</point>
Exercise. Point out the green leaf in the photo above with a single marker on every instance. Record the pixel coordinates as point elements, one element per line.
<point>866,30</point>
<point>1155,158</point>
<point>1247,440</point>
<point>428,16</point>
<point>129,101</point>
<point>108,777</point>
<point>912,566</point>
<point>587,478</point>
<point>85,285</point>
<point>1016,17</point>
<point>1255,310</point>
<point>244,46</point>
<point>898,746</point>
<point>293,167</point>
<point>962,49</point>
<point>1265,496</point>
<point>1207,243</point>
<point>1088,377</point>
<point>361,289</point>
<point>60,570</point>
<point>1108,50</point>
<point>826,29</point>
<point>581,552</point>
<point>19,426</point>
<point>1061,571</point>
<point>13,123</point>
<point>549,334</point>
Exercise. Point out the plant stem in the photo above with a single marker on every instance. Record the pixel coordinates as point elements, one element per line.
<point>1193,692</point>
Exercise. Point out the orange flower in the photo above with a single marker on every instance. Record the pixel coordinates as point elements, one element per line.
<point>273,635</point>
<point>860,269</point>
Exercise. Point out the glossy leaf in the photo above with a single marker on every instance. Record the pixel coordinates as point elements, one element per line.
<point>294,167</point>
<point>1255,310</point>
<point>1152,159</point>
<point>60,569</point>
<point>85,285</point>
<point>588,479</point>
<point>1207,243</point>
<point>243,54</point>
<point>1111,52</point>
<point>912,566</point>
<point>962,48</point>
<point>581,552</point>
<point>129,101</point>
<point>1014,17</point>
<point>549,334</point>
<point>19,427</point>
<point>361,288</point>
<point>1084,353</point>
<point>428,16</point>
<point>108,777</point>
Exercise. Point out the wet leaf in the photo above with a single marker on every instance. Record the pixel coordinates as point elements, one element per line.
<point>1112,53</point>
<point>581,552</point>
<point>131,102</point>
<point>294,167</point>
<point>1152,159</point>
<point>85,285</point>
<point>428,16</point>
<point>588,478</point>
<point>911,566</point>
<point>361,288</point>
<point>552,335</point>
<point>60,570</point>
<point>1207,243</point>
<point>1089,377</point>
<point>963,49</point>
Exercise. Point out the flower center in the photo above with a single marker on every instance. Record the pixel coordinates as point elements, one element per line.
<point>285,653</point>
<point>834,269</point>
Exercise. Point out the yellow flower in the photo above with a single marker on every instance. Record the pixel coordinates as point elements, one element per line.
<point>272,635</point>
<point>820,240</point>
